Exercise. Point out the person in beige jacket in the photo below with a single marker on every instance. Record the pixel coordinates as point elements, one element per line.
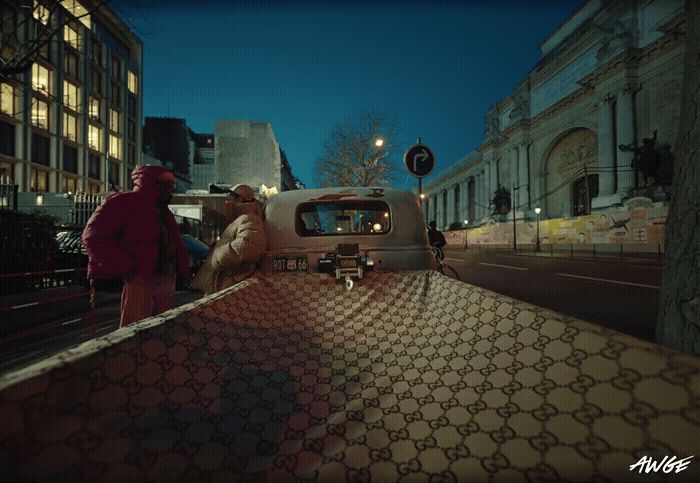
<point>241,246</point>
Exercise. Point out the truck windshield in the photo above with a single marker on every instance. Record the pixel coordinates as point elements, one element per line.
<point>337,218</point>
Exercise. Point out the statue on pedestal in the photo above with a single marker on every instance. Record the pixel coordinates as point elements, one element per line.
<point>651,161</point>
<point>501,201</point>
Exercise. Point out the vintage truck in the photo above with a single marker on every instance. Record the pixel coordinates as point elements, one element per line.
<point>348,356</point>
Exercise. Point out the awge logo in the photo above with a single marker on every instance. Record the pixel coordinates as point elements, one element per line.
<point>647,464</point>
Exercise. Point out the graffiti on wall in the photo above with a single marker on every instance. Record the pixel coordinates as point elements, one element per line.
<point>635,226</point>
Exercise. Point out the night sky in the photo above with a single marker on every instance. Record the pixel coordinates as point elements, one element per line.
<point>433,67</point>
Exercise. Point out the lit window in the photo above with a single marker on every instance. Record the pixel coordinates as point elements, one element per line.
<point>132,82</point>
<point>7,99</point>
<point>39,181</point>
<point>70,127</point>
<point>71,95</point>
<point>41,13</point>
<point>41,79</point>
<point>94,108</point>
<point>78,11</point>
<point>115,146</point>
<point>114,120</point>
<point>6,173</point>
<point>40,113</point>
<point>95,137</point>
<point>69,184</point>
<point>70,35</point>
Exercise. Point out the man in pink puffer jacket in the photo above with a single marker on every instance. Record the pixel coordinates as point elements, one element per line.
<point>134,236</point>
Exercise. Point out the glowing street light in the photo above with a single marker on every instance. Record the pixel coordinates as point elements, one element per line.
<point>466,235</point>
<point>379,142</point>
<point>537,244</point>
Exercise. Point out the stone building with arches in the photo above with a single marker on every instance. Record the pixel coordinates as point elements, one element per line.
<point>564,139</point>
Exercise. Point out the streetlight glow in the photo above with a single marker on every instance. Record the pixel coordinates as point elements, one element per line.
<point>538,248</point>
<point>379,142</point>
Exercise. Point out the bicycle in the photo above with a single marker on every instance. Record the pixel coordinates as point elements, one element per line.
<point>444,268</point>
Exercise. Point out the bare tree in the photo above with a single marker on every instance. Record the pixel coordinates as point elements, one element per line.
<point>678,323</point>
<point>28,27</point>
<point>350,156</point>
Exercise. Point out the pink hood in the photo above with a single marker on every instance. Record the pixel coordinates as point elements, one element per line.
<point>145,177</point>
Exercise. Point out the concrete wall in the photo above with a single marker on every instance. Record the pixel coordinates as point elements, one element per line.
<point>247,152</point>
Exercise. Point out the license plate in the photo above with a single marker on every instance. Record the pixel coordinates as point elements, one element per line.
<point>289,264</point>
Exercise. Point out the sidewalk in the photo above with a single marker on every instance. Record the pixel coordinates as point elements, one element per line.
<point>650,258</point>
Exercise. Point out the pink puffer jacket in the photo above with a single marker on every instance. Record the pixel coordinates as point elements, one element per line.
<point>122,235</point>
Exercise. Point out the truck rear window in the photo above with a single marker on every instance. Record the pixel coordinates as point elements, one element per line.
<point>343,217</point>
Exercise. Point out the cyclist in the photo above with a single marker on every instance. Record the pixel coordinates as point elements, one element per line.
<point>435,236</point>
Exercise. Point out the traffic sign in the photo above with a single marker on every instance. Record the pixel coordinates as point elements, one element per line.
<point>419,160</point>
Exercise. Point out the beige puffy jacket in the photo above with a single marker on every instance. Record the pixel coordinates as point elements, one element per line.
<point>235,255</point>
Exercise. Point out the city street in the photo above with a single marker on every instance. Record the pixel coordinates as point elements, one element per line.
<point>32,332</point>
<point>614,293</point>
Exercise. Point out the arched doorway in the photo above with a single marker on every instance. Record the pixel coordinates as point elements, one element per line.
<point>570,158</point>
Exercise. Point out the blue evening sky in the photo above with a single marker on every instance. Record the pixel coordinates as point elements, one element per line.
<point>434,67</point>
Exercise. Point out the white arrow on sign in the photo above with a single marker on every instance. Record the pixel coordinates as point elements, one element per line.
<point>419,157</point>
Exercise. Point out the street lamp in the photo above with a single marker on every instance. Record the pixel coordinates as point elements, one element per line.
<point>379,142</point>
<point>537,244</point>
<point>466,234</point>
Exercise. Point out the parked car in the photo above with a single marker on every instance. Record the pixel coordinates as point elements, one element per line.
<point>348,357</point>
<point>72,254</point>
<point>197,252</point>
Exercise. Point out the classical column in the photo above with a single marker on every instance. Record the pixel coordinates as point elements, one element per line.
<point>625,135</point>
<point>493,177</point>
<point>450,204</point>
<point>442,222</point>
<point>438,209</point>
<point>433,213</point>
<point>464,201</point>
<point>477,196</point>
<point>522,177</point>
<point>488,193</point>
<point>606,147</point>
<point>483,196</point>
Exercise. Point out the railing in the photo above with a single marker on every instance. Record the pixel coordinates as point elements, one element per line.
<point>84,206</point>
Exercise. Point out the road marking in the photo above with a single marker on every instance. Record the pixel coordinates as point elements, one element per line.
<point>72,321</point>
<point>455,260</point>
<point>502,266</point>
<point>610,281</point>
<point>30,304</point>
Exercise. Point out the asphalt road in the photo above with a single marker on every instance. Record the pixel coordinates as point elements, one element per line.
<point>614,293</point>
<point>61,320</point>
<point>618,294</point>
